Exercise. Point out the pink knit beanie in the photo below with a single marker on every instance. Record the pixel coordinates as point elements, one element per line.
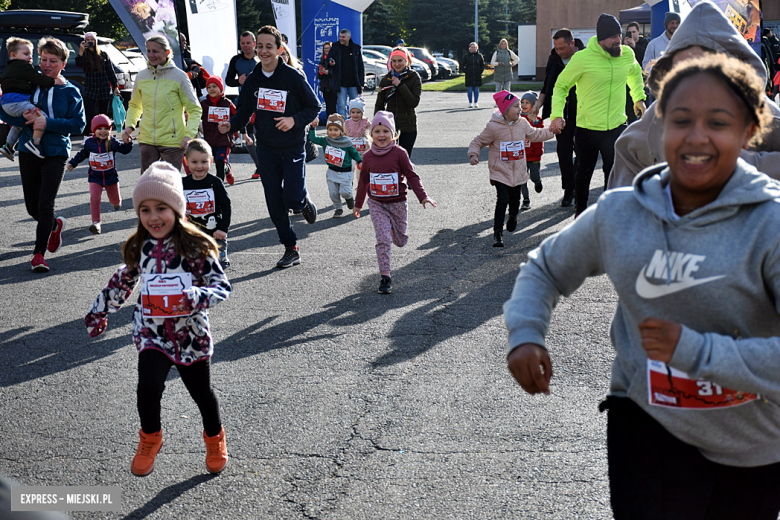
<point>161,181</point>
<point>504,100</point>
<point>384,118</point>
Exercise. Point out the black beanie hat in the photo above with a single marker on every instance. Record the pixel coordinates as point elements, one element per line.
<point>607,27</point>
<point>669,17</point>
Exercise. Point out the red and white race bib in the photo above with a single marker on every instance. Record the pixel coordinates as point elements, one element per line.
<point>162,295</point>
<point>360,143</point>
<point>200,202</point>
<point>271,100</point>
<point>334,156</point>
<point>101,161</point>
<point>384,184</point>
<point>512,150</point>
<point>667,386</point>
<point>218,114</point>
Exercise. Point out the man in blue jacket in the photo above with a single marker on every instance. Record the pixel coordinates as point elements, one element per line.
<point>348,74</point>
<point>284,105</point>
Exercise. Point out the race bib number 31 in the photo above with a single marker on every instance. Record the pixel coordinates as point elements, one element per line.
<point>218,114</point>
<point>271,100</point>
<point>162,295</point>
<point>667,386</point>
<point>512,150</point>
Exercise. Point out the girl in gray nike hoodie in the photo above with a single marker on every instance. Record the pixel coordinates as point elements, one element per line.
<point>694,254</point>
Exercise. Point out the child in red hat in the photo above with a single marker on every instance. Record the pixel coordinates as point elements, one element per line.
<point>218,109</point>
<point>101,149</point>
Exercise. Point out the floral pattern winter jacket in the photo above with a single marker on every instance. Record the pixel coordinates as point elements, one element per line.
<point>183,339</point>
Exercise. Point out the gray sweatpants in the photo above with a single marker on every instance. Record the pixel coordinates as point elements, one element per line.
<point>339,185</point>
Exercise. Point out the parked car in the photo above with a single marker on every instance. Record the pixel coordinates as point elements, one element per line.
<point>69,27</point>
<point>383,52</point>
<point>374,68</point>
<point>454,65</point>
<point>425,56</point>
<point>445,71</point>
<point>136,57</point>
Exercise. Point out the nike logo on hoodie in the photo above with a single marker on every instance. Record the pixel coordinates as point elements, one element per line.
<point>675,271</point>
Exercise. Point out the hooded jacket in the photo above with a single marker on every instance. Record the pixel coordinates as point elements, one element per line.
<point>601,86</point>
<point>641,145</point>
<point>679,269</point>
<point>403,101</point>
<point>211,133</point>
<point>98,146</point>
<point>162,93</point>
<point>498,130</point>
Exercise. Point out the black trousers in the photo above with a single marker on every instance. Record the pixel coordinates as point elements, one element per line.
<point>153,368</point>
<point>93,107</point>
<point>653,475</point>
<point>41,179</point>
<point>406,141</point>
<point>565,151</point>
<point>506,196</point>
<point>587,145</point>
<point>331,100</point>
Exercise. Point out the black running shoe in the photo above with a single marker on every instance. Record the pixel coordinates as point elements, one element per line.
<point>291,257</point>
<point>538,187</point>
<point>511,223</point>
<point>384,285</point>
<point>568,198</point>
<point>309,212</point>
<point>498,239</point>
<point>350,203</point>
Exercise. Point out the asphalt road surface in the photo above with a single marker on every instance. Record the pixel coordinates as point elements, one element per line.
<point>338,402</point>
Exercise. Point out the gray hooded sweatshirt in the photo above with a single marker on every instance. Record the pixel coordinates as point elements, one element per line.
<point>716,271</point>
<point>641,145</point>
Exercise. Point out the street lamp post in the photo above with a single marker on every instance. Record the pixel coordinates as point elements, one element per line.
<point>476,21</point>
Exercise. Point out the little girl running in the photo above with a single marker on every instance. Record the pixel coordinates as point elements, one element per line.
<point>385,172</point>
<point>357,126</point>
<point>180,280</point>
<point>506,134</point>
<point>101,150</point>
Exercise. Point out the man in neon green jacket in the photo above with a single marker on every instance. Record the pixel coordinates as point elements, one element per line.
<point>600,72</point>
<point>162,93</point>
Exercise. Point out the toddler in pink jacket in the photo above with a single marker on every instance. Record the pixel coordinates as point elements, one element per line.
<point>505,135</point>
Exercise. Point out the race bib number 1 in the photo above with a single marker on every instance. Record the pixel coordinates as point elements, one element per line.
<point>162,295</point>
<point>271,100</point>
<point>218,114</point>
<point>512,150</point>
<point>667,386</point>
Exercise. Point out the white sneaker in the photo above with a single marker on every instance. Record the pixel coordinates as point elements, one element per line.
<point>95,228</point>
<point>476,105</point>
<point>471,105</point>
<point>33,149</point>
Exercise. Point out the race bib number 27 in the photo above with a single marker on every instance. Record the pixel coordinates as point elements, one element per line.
<point>667,386</point>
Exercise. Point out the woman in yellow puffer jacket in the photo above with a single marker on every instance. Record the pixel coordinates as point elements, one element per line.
<point>162,93</point>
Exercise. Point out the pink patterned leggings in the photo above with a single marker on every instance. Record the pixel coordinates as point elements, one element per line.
<point>390,227</point>
<point>95,194</point>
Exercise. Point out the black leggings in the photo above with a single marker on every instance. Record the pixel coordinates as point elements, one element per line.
<point>93,107</point>
<point>153,368</point>
<point>506,196</point>
<point>653,475</point>
<point>406,141</point>
<point>41,179</point>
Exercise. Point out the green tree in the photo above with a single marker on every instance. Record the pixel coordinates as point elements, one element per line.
<point>446,25</point>
<point>499,12</point>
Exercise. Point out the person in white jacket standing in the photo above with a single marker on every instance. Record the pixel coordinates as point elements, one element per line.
<point>503,61</point>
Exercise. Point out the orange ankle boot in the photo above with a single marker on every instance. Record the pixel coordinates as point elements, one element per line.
<point>148,447</point>
<point>216,451</point>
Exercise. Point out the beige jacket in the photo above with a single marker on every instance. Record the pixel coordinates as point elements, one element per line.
<point>498,130</point>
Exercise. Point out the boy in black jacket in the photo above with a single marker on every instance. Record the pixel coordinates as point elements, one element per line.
<point>17,84</point>
<point>284,105</point>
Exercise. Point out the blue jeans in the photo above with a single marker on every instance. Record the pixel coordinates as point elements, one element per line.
<point>283,175</point>
<point>475,91</point>
<point>345,95</point>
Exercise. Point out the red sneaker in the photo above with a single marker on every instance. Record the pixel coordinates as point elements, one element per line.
<point>39,264</point>
<point>216,452</point>
<point>148,447</point>
<point>229,175</point>
<point>55,239</point>
<point>256,175</point>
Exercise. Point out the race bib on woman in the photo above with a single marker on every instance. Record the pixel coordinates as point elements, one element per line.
<point>162,295</point>
<point>218,114</point>
<point>384,184</point>
<point>271,100</point>
<point>667,386</point>
<point>512,150</point>
<point>334,156</point>
<point>101,161</point>
<point>200,202</point>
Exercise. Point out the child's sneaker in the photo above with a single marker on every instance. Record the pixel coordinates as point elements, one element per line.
<point>55,238</point>
<point>350,203</point>
<point>538,187</point>
<point>511,223</point>
<point>338,213</point>
<point>385,285</point>
<point>498,239</point>
<point>148,447</point>
<point>39,265</point>
<point>291,257</point>
<point>7,152</point>
<point>223,259</point>
<point>95,228</point>
<point>117,207</point>
<point>216,451</point>
<point>256,175</point>
<point>526,205</point>
<point>229,175</point>
<point>32,148</point>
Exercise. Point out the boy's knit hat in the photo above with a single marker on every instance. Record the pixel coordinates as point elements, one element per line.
<point>336,120</point>
<point>530,96</point>
<point>504,100</point>
<point>217,81</point>
<point>357,103</point>
<point>161,181</point>
<point>384,118</point>
<point>100,121</point>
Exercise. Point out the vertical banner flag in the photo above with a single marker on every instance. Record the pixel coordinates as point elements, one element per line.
<point>284,14</point>
<point>746,17</point>
<point>145,18</point>
<point>203,16</point>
